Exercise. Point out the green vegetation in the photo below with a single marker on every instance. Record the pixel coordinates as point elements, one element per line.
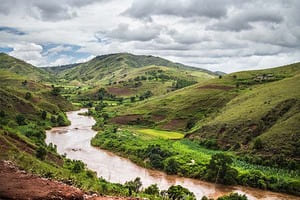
<point>187,158</point>
<point>240,128</point>
<point>162,134</point>
<point>16,66</point>
<point>258,118</point>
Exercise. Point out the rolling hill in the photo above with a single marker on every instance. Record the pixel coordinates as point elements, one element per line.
<point>17,66</point>
<point>255,111</point>
<point>125,74</point>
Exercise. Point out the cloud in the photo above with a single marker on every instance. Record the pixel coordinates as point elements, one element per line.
<point>188,8</point>
<point>142,33</point>
<point>58,49</point>
<point>244,20</point>
<point>219,35</point>
<point>29,52</point>
<point>53,10</point>
<point>11,30</point>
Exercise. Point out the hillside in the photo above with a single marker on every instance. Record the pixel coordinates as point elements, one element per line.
<point>231,112</point>
<point>127,75</point>
<point>14,65</point>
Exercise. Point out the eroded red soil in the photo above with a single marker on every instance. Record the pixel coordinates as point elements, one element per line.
<point>17,184</point>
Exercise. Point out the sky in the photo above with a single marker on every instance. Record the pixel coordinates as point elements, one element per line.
<point>219,35</point>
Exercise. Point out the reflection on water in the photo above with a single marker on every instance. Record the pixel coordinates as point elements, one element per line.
<point>74,140</point>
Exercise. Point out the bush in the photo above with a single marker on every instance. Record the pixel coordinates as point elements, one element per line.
<point>61,120</point>
<point>78,166</point>
<point>219,170</point>
<point>233,196</point>
<point>171,166</point>
<point>152,190</point>
<point>41,153</point>
<point>134,185</point>
<point>53,119</point>
<point>258,144</point>
<point>178,192</point>
<point>20,119</point>
<point>28,95</point>
<point>2,113</point>
<point>44,115</point>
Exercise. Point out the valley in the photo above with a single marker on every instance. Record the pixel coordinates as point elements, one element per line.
<point>171,124</point>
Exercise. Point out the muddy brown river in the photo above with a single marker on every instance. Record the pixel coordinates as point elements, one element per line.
<point>74,141</point>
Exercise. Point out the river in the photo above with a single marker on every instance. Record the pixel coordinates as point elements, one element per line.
<point>74,141</point>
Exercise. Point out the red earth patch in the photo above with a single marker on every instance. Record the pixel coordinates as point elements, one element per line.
<point>119,91</point>
<point>217,87</point>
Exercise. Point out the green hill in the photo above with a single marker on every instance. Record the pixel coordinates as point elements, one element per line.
<point>14,65</point>
<point>255,111</point>
<point>126,74</point>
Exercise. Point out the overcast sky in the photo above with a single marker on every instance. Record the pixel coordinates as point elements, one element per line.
<point>224,35</point>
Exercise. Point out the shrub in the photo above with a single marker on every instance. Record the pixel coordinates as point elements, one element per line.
<point>134,185</point>
<point>61,120</point>
<point>44,115</point>
<point>258,144</point>
<point>171,166</point>
<point>20,119</point>
<point>55,91</point>
<point>41,153</point>
<point>28,95</point>
<point>2,113</point>
<point>219,170</point>
<point>178,192</point>
<point>53,119</point>
<point>233,196</point>
<point>152,190</point>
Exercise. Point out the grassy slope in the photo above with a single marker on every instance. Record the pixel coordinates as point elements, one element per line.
<point>14,65</point>
<point>12,100</point>
<point>235,109</point>
<point>20,143</point>
<point>115,69</point>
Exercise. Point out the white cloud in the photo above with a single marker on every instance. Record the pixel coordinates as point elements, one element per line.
<point>219,35</point>
<point>29,52</point>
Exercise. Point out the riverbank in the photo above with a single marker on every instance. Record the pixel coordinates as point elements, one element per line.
<point>74,141</point>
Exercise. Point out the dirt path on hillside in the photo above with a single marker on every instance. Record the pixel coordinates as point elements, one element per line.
<point>17,184</point>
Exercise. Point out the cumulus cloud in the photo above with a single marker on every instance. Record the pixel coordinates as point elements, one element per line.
<point>188,8</point>
<point>29,52</point>
<point>244,20</point>
<point>143,33</point>
<point>53,10</point>
<point>219,35</point>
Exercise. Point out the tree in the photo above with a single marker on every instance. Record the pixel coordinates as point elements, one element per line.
<point>134,185</point>
<point>44,115</point>
<point>28,95</point>
<point>78,166</point>
<point>178,192</point>
<point>152,190</point>
<point>2,113</point>
<point>41,153</point>
<point>171,166</point>
<point>258,144</point>
<point>55,91</point>
<point>102,93</point>
<point>233,196</point>
<point>24,83</point>
<point>219,169</point>
<point>132,99</point>
<point>20,119</point>
<point>61,120</point>
<point>53,119</point>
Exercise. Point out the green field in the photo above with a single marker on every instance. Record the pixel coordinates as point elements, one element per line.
<point>161,133</point>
